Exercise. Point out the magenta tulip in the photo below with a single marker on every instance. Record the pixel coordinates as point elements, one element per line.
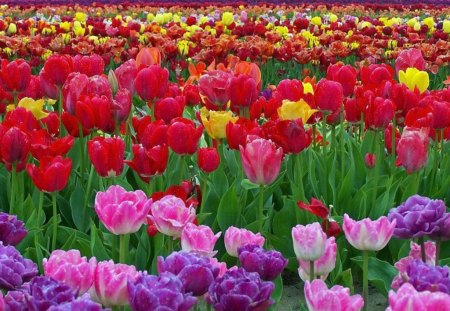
<point>199,239</point>
<point>236,238</point>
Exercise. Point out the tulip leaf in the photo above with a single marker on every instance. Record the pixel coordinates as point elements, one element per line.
<point>381,273</point>
<point>248,185</point>
<point>143,250</point>
<point>76,205</point>
<point>346,279</point>
<point>277,292</point>
<point>97,248</point>
<point>229,209</point>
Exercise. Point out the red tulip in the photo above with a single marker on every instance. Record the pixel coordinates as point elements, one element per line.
<point>388,138</point>
<point>378,112</point>
<point>43,144</point>
<point>352,110</point>
<point>151,82</point>
<point>345,75</point>
<point>99,85</point>
<point>370,160</point>
<point>149,133</point>
<point>14,145</point>
<point>237,132</point>
<point>121,105</point>
<point>331,228</point>
<point>48,87</point>
<point>213,87</point>
<point>192,95</point>
<point>96,112</point>
<point>149,162</point>
<point>403,98</point>
<point>409,58</point>
<point>289,89</point>
<point>21,118</point>
<point>71,123</point>
<point>57,68</point>
<point>420,117</point>
<point>208,159</point>
<point>73,88</point>
<point>316,207</point>
<point>125,74</point>
<point>148,56</point>
<point>89,65</point>
<point>412,149</point>
<point>441,114</point>
<point>329,95</point>
<point>52,123</point>
<point>288,134</point>
<point>52,175</point>
<point>33,89</point>
<point>375,75</point>
<point>243,91</point>
<point>107,155</point>
<point>15,76</point>
<point>183,136</point>
<point>169,108</point>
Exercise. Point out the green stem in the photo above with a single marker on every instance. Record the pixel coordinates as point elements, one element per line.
<point>55,221</point>
<point>123,240</point>
<point>422,249</point>
<point>204,187</point>
<point>361,127</point>
<point>314,136</point>
<point>365,278</point>
<point>169,245</point>
<point>180,168</point>
<point>261,208</point>
<point>311,271</point>
<point>81,148</point>
<point>438,250</point>
<point>324,155</point>
<point>12,202</point>
<point>37,233</point>
<point>393,147</point>
<point>299,177</point>
<point>88,191</point>
<point>342,144</point>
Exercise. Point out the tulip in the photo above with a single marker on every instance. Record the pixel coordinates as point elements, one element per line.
<point>215,122</point>
<point>89,65</point>
<point>57,68</point>
<point>322,266</point>
<point>72,269</point>
<point>268,264</point>
<point>12,230</point>
<point>183,136</point>
<point>43,144</point>
<point>243,91</point>
<point>425,276</point>
<point>414,78</point>
<point>110,282</point>
<point>16,270</point>
<point>237,132</point>
<point>150,292</point>
<point>107,155</point>
<point>288,134</point>
<point>151,82</point>
<point>324,101</point>
<point>291,110</point>
<point>169,108</point>
<point>126,74</point>
<point>378,112</point>
<point>15,76</point>
<point>376,74</point>
<point>214,88</point>
<point>199,240</point>
<point>208,159</point>
<point>316,207</point>
<point>441,114</point>
<point>52,175</point>
<point>120,211</point>
<point>148,57</point>
<point>291,90</point>
<point>149,162</point>
<point>261,160</point>
<point>409,58</point>
<point>370,159</point>
<point>338,298</point>
<point>345,75</point>
<point>412,149</point>
<point>121,105</point>
<point>171,215</point>
<point>150,134</point>
<point>236,238</point>
<point>14,146</point>
<point>408,298</point>
<point>36,107</point>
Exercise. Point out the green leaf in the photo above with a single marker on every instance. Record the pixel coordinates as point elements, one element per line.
<point>228,212</point>
<point>97,248</point>
<point>143,250</point>
<point>248,185</point>
<point>277,292</point>
<point>76,205</point>
<point>346,279</point>
<point>381,273</point>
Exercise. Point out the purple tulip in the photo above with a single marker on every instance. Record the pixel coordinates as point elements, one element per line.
<point>14,269</point>
<point>83,303</point>
<point>195,272</point>
<point>240,290</point>
<point>268,264</point>
<point>164,292</point>
<point>421,216</point>
<point>12,230</point>
<point>427,277</point>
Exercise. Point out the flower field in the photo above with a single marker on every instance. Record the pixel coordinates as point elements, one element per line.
<point>206,155</point>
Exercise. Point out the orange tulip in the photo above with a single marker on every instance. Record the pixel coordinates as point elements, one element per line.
<point>148,57</point>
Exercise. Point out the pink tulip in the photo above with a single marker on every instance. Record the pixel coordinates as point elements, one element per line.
<point>410,58</point>
<point>111,282</point>
<point>412,149</point>
<point>309,241</point>
<point>235,238</point>
<point>408,299</point>
<point>120,211</point>
<point>367,234</point>
<point>126,73</point>
<point>222,266</point>
<point>70,268</point>
<point>320,298</point>
<point>170,215</point>
<point>199,239</point>
<point>322,266</point>
<point>261,160</point>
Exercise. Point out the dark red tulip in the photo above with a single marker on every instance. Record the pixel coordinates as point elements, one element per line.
<point>331,228</point>
<point>33,89</point>
<point>183,136</point>
<point>43,144</point>
<point>237,132</point>
<point>72,125</point>
<point>403,98</point>
<point>352,110</point>
<point>96,112</point>
<point>345,75</point>
<point>14,145</point>
<point>378,112</point>
<point>243,91</point>
<point>149,162</point>
<point>329,95</point>
<point>107,155</point>
<point>192,95</point>
<point>57,68</point>
<point>288,134</point>
<point>52,174</point>
<point>420,117</point>
<point>90,65</point>
<point>316,207</point>
<point>152,82</point>
<point>48,87</point>
<point>121,105</point>
<point>15,76</point>
<point>208,159</point>
<point>169,108</point>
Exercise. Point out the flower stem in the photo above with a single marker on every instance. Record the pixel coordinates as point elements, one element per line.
<point>342,144</point>
<point>12,202</point>
<point>261,208</point>
<point>365,278</point>
<point>204,188</point>
<point>123,248</point>
<point>88,191</point>
<point>324,154</point>
<point>299,177</point>
<point>37,233</point>
<point>393,132</point>
<point>55,221</point>
<point>311,271</point>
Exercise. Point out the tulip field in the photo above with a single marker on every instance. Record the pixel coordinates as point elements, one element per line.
<point>182,155</point>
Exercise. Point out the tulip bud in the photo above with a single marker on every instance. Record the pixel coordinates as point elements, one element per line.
<point>370,160</point>
<point>112,79</point>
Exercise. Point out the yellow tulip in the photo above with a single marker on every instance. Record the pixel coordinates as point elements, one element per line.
<point>316,20</point>
<point>65,26</point>
<point>333,18</point>
<point>290,110</point>
<point>12,29</point>
<point>308,88</point>
<point>417,26</point>
<point>183,47</point>
<point>150,17</point>
<point>429,21</point>
<point>215,122</point>
<point>80,17</point>
<point>227,18</point>
<point>446,26</point>
<point>34,106</point>
<point>159,18</point>
<point>414,78</point>
<point>78,30</point>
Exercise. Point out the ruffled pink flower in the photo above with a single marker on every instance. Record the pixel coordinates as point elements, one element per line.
<point>235,238</point>
<point>408,299</point>
<point>199,239</point>
<point>322,266</point>
<point>110,282</point>
<point>170,215</point>
<point>320,298</point>
<point>367,234</point>
<point>120,211</point>
<point>309,241</point>
<point>70,268</point>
